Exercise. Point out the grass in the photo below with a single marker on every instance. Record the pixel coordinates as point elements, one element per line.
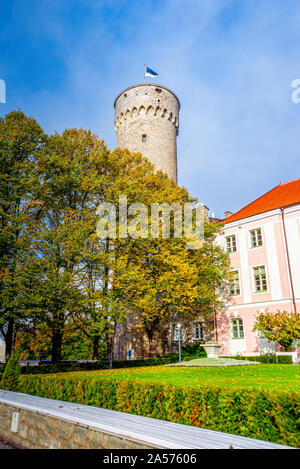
<point>265,377</point>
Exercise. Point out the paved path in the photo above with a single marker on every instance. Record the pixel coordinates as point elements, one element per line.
<point>6,444</point>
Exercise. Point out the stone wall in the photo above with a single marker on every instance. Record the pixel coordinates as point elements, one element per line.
<point>151,111</point>
<point>131,335</point>
<point>37,431</point>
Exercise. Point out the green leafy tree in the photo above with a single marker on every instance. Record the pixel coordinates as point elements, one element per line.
<point>21,138</point>
<point>282,327</point>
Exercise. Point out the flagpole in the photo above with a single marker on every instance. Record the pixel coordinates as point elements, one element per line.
<point>144,73</point>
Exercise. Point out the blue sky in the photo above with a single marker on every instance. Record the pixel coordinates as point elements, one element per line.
<point>230,62</point>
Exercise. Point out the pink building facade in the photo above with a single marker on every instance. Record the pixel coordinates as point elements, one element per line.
<point>263,241</point>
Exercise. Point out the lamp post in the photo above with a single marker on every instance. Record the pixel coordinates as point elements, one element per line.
<point>111,352</point>
<point>179,343</point>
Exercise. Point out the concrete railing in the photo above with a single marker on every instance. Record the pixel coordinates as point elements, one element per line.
<point>35,422</point>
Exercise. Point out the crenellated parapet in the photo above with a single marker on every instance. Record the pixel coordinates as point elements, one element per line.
<point>150,112</point>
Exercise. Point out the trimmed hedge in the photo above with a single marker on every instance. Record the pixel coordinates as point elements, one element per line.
<point>270,416</point>
<point>45,368</point>
<point>272,358</point>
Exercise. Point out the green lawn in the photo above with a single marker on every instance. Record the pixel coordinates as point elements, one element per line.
<point>266,377</point>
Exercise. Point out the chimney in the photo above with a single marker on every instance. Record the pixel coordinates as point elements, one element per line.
<point>206,210</point>
<point>228,214</point>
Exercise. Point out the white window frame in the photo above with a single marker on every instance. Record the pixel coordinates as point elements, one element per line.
<point>195,325</point>
<point>175,334</point>
<point>253,280</point>
<point>239,279</point>
<point>256,237</point>
<point>231,251</point>
<point>239,318</point>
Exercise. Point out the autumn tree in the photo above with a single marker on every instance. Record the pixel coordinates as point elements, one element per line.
<point>20,140</point>
<point>99,309</point>
<point>159,278</point>
<point>63,274</point>
<point>109,265</point>
<point>282,327</point>
<point>71,174</point>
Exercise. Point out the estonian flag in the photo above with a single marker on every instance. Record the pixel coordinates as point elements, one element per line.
<point>150,73</point>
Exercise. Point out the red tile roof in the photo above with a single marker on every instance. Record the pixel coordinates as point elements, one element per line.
<point>280,196</point>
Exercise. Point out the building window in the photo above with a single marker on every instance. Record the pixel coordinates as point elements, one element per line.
<point>256,238</point>
<point>237,328</point>
<point>234,283</point>
<point>144,138</point>
<point>260,279</point>
<point>176,332</point>
<point>230,243</point>
<point>198,332</point>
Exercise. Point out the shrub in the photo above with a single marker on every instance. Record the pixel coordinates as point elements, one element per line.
<point>272,358</point>
<point>194,350</point>
<point>11,374</point>
<point>282,326</point>
<point>188,358</point>
<point>265,415</point>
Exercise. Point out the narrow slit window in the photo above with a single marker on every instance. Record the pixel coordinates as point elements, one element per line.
<point>144,138</point>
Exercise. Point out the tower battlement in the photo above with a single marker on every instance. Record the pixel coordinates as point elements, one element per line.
<point>147,121</point>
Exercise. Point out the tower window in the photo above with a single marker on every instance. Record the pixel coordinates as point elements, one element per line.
<point>144,138</point>
<point>158,90</point>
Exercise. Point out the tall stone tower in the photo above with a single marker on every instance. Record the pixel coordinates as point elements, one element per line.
<point>146,121</point>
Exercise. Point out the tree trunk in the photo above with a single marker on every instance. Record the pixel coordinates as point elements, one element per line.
<point>9,339</point>
<point>57,337</point>
<point>96,347</point>
<point>150,352</point>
